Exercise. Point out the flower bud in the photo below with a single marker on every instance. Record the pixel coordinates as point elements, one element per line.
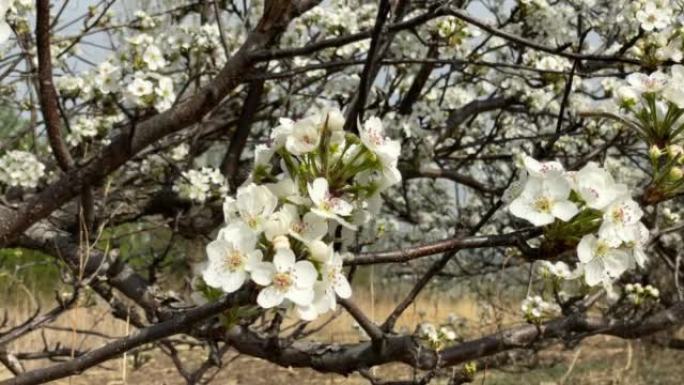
<point>335,120</point>
<point>320,251</point>
<point>674,150</point>
<point>676,173</point>
<point>654,152</point>
<point>281,242</point>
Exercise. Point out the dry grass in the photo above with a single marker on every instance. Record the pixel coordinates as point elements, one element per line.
<point>601,360</point>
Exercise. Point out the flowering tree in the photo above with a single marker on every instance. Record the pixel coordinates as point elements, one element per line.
<point>298,142</point>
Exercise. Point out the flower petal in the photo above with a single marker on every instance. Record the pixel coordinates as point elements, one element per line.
<point>270,297</point>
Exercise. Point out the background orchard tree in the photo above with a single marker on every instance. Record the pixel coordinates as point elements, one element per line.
<point>231,178</point>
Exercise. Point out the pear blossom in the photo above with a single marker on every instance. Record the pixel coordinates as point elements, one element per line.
<point>326,205</point>
<point>106,78</point>
<point>255,204</point>
<point>199,185</point>
<point>638,238</point>
<point>283,279</point>
<point>619,219</point>
<point>281,221</point>
<point>282,132</point>
<point>544,200</point>
<point>643,83</point>
<point>602,259</point>
<point>81,129</point>
<point>138,91</point>
<point>539,169</point>
<point>179,152</point>
<point>596,186</point>
<point>559,270</point>
<point>153,58</point>
<point>164,94</point>
<point>305,136</point>
<point>20,169</point>
<point>653,17</point>
<point>310,227</point>
<point>372,135</point>
<point>231,257</point>
<point>336,281</point>
<point>534,308</point>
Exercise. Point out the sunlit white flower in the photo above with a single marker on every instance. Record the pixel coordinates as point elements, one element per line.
<point>282,132</point>
<point>20,169</point>
<point>285,278</point>
<point>373,137</point>
<point>231,256</point>
<point>106,78</point>
<point>333,275</point>
<point>619,218</point>
<point>638,238</point>
<point>70,85</point>
<point>164,93</point>
<point>139,91</point>
<point>304,137</point>
<point>198,185</point>
<point>559,270</point>
<point>179,152</point>
<point>596,186</point>
<point>602,259</point>
<point>534,308</point>
<point>651,16</point>
<point>82,128</point>
<point>543,200</point>
<point>255,204</point>
<point>539,169</point>
<point>327,205</point>
<point>643,83</point>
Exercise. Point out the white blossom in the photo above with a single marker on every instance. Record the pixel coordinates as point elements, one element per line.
<point>231,256</point>
<point>285,278</point>
<point>20,169</point>
<point>328,206</point>
<point>544,199</point>
<point>601,259</point>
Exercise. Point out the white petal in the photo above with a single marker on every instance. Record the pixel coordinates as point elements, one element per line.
<point>307,313</point>
<point>270,297</point>
<point>342,287</point>
<point>217,250</point>
<point>254,259</point>
<point>284,259</point>
<point>263,273</point>
<point>593,272</point>
<point>585,248</point>
<point>305,274</point>
<point>617,262</point>
<point>213,274</point>
<point>640,256</point>
<point>564,210</point>
<point>300,296</point>
<point>233,281</point>
<point>318,190</point>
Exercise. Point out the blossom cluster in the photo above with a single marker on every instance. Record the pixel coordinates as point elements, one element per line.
<point>587,205</point>
<point>199,185</point>
<point>534,309</point>
<point>638,294</point>
<point>436,337</point>
<point>311,188</point>
<point>20,169</point>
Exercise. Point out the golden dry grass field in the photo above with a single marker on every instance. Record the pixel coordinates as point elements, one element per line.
<point>599,360</point>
